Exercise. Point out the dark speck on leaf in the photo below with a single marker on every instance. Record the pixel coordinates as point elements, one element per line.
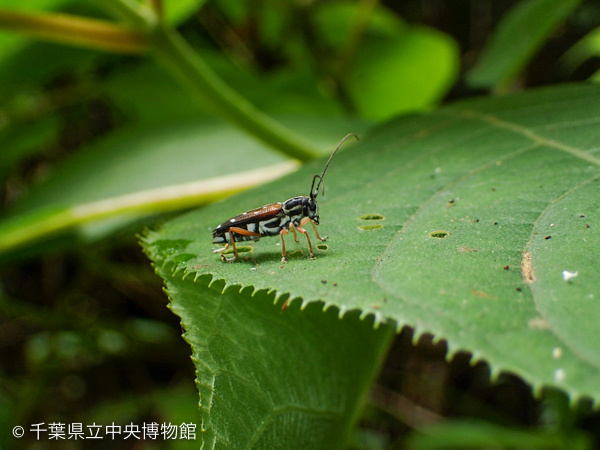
<point>323,281</point>
<point>519,289</point>
<point>548,237</point>
<point>506,267</point>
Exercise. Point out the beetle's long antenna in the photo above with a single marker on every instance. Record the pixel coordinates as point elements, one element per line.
<point>315,191</point>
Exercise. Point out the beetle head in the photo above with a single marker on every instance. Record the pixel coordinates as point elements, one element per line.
<point>311,209</point>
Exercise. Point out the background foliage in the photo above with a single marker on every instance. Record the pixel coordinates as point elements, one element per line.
<point>100,142</point>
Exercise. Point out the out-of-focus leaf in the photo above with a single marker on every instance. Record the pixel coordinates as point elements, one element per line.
<point>32,64</point>
<point>177,12</point>
<point>159,99</point>
<point>396,67</point>
<point>411,71</point>
<point>20,140</point>
<point>516,39</point>
<point>587,47</point>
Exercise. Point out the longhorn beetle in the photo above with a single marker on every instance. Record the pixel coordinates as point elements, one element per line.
<point>275,219</point>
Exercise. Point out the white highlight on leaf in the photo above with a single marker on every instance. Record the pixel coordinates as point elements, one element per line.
<point>560,375</point>
<point>568,276</point>
<point>557,353</point>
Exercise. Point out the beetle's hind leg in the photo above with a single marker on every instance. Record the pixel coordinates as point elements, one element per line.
<point>282,233</point>
<point>235,253</point>
<point>237,231</point>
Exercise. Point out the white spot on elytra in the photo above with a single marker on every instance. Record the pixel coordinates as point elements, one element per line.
<point>232,220</point>
<point>557,353</point>
<point>219,226</point>
<point>568,276</point>
<point>560,375</point>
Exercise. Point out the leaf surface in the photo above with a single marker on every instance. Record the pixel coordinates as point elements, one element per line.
<point>439,221</point>
<point>270,378</point>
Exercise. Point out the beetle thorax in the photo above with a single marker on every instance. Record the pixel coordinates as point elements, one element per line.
<point>297,208</point>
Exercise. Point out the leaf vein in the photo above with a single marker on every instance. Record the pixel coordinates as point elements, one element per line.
<point>530,134</point>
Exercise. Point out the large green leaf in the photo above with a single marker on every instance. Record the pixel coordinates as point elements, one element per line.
<point>516,39</point>
<point>459,223</point>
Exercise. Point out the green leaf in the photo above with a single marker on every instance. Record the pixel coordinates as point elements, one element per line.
<point>272,378</point>
<point>439,222</point>
<point>410,71</point>
<point>159,99</point>
<point>587,47</point>
<point>22,139</point>
<point>177,12</point>
<point>395,67</point>
<point>519,35</point>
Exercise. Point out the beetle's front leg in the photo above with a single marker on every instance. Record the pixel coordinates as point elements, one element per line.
<point>305,221</point>
<point>304,232</point>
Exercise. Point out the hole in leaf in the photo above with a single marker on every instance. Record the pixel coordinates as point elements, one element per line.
<point>240,249</point>
<point>370,227</point>
<point>439,234</point>
<point>372,217</point>
<point>323,246</point>
<point>296,254</point>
